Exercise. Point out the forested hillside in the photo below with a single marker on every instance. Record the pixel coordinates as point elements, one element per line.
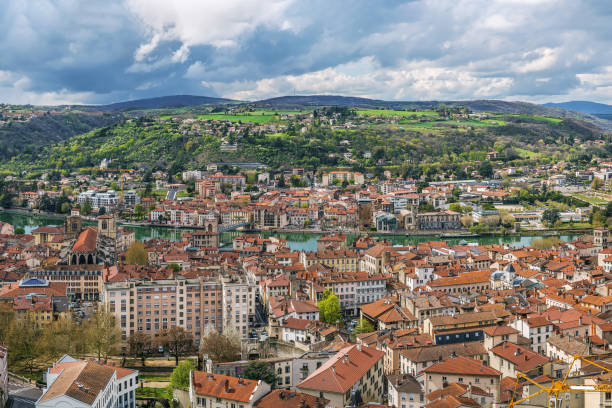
<point>419,141</point>
<point>29,136</point>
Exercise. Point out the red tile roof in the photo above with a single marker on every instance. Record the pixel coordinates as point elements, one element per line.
<point>462,365</point>
<point>87,240</point>
<point>290,399</point>
<point>523,358</point>
<point>223,386</point>
<point>343,370</point>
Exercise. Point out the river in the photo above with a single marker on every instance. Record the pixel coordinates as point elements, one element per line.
<point>295,241</point>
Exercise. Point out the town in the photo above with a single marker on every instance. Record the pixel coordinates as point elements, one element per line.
<point>233,309</point>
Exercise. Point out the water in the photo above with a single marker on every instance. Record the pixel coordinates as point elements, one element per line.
<point>295,241</point>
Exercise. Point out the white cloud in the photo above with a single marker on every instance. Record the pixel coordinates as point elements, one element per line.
<point>196,22</point>
<point>409,81</point>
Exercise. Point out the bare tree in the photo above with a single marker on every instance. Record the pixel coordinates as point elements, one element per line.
<point>178,341</point>
<point>221,347</point>
<point>139,343</point>
<point>103,335</point>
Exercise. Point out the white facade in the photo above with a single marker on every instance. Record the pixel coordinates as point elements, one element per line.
<point>3,374</point>
<point>108,200</point>
<point>119,391</point>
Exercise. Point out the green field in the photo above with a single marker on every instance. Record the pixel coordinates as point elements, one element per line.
<point>537,118</point>
<point>244,118</point>
<point>389,112</point>
<point>590,200</point>
<point>528,154</point>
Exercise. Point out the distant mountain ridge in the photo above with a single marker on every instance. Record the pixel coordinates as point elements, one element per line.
<point>593,108</point>
<point>171,101</point>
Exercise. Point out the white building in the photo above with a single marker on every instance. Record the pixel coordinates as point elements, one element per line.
<point>88,384</point>
<point>404,391</point>
<point>108,200</point>
<point>3,374</point>
<point>538,329</point>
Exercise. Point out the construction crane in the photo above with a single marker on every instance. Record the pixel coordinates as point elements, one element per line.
<point>559,386</point>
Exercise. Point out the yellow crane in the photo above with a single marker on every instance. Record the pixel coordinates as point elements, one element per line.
<point>558,386</point>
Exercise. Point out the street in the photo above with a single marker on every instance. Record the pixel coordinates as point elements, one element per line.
<point>22,395</point>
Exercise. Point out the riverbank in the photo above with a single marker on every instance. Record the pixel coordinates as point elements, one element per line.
<point>297,240</point>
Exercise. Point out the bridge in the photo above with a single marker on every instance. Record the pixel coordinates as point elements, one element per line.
<point>232,227</point>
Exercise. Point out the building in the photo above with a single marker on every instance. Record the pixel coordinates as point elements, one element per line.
<point>404,391</point>
<point>84,384</point>
<point>462,370</point>
<point>107,200</point>
<point>3,375</point>
<point>193,304</point>
<point>207,390</point>
<point>339,177</point>
<point>353,375</point>
<point>82,281</point>
<point>290,399</point>
<point>459,328</point>
<point>509,358</point>
<point>36,299</point>
<point>414,360</point>
<point>538,329</point>
<point>444,220</point>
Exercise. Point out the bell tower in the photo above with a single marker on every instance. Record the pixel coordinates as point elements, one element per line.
<point>107,226</point>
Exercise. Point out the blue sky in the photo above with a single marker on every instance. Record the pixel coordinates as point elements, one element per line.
<point>74,51</point>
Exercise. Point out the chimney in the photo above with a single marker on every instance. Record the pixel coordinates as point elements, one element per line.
<point>359,346</point>
<point>346,358</point>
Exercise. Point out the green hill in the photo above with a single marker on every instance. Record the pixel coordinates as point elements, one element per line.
<point>329,137</point>
<point>29,136</point>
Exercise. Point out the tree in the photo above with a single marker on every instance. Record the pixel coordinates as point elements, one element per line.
<point>545,243</point>
<point>24,342</point>
<point>103,335</point>
<point>136,254</point>
<point>260,370</point>
<point>180,375</point>
<point>19,231</point>
<point>86,207</point>
<point>363,326</point>
<point>467,221</point>
<point>550,215</point>
<point>456,207</point>
<point>485,169</point>
<point>177,340</point>
<point>329,307</point>
<point>220,348</point>
<point>597,183</point>
<point>139,344</point>
<point>174,267</point>
<point>65,208</point>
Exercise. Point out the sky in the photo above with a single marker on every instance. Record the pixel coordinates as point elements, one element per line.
<point>103,51</point>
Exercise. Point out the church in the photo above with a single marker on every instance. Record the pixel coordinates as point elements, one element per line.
<point>90,246</point>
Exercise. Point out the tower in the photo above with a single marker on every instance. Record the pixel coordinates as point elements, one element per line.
<point>600,237</point>
<point>73,224</point>
<point>107,226</point>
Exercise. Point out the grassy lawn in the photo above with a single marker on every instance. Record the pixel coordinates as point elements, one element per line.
<point>589,199</point>
<point>538,118</point>
<point>159,193</point>
<point>153,377</point>
<point>389,112</point>
<point>245,117</point>
<point>154,392</point>
<point>568,225</point>
<point>527,154</point>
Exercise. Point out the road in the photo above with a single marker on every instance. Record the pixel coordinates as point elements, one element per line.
<point>22,395</point>
<point>171,194</point>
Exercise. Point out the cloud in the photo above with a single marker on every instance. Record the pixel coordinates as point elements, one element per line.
<point>103,51</point>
